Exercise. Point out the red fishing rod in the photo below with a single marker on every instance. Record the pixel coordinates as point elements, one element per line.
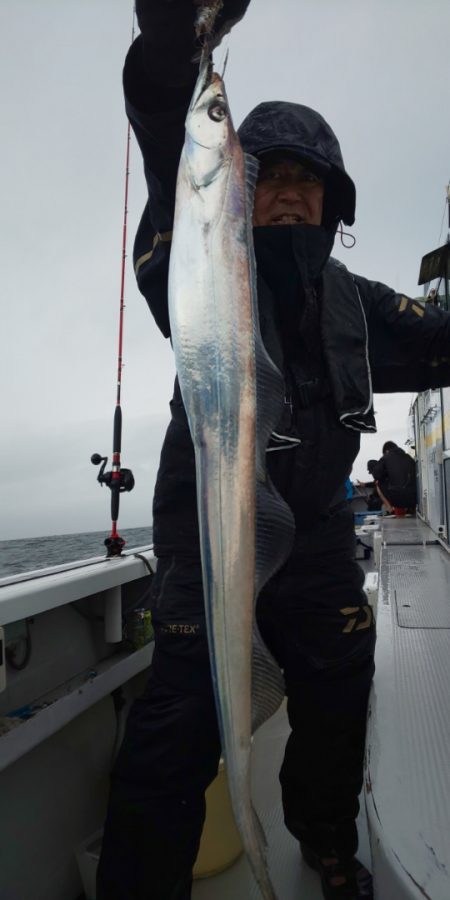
<point>118,479</point>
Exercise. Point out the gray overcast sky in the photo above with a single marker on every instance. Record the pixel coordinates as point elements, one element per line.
<point>378,70</point>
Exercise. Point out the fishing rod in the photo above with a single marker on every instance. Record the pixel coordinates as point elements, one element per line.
<point>448,210</point>
<point>118,479</point>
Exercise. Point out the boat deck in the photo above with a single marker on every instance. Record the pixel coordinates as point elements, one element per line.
<point>292,879</point>
<point>408,739</point>
<point>406,807</point>
<point>407,784</point>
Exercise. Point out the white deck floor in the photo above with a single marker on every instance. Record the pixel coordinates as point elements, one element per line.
<point>408,738</point>
<point>292,879</point>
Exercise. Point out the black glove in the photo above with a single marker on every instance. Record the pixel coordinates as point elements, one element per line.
<point>231,12</point>
<point>170,45</point>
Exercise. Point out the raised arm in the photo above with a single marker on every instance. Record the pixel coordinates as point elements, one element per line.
<point>159,76</point>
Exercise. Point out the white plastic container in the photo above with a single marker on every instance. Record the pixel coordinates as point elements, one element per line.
<point>377,542</point>
<point>371,590</point>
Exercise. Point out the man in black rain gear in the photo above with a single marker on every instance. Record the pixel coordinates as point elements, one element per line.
<point>395,476</point>
<point>335,337</point>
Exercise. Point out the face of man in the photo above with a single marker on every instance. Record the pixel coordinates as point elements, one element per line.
<point>287,193</point>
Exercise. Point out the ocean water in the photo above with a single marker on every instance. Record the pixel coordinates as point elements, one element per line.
<point>39,552</point>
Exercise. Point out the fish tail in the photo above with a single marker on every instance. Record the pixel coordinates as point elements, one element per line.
<point>260,871</point>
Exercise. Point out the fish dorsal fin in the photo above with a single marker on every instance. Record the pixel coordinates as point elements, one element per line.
<point>251,177</point>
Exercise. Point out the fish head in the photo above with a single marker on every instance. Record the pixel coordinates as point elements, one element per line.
<point>210,135</point>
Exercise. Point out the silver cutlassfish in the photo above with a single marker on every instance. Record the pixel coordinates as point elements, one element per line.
<point>233,395</point>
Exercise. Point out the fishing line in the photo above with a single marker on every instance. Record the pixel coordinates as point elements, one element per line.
<point>118,479</point>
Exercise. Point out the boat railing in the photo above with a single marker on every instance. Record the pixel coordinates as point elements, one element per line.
<point>99,660</point>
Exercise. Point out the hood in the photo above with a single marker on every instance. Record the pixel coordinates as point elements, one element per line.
<point>278,125</point>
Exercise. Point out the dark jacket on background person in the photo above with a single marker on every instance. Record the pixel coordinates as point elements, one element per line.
<point>335,336</point>
<point>395,469</point>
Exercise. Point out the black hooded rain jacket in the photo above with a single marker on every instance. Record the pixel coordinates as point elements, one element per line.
<point>335,336</point>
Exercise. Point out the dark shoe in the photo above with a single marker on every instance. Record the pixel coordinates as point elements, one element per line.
<point>341,879</point>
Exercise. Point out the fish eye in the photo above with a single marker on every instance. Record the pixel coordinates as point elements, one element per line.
<point>217,111</point>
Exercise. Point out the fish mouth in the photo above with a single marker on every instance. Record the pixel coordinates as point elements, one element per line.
<point>204,80</point>
<point>288,219</point>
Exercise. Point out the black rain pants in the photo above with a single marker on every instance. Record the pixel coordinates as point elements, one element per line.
<point>403,497</point>
<point>314,617</point>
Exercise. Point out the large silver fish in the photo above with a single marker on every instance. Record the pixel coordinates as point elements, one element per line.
<point>233,395</point>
